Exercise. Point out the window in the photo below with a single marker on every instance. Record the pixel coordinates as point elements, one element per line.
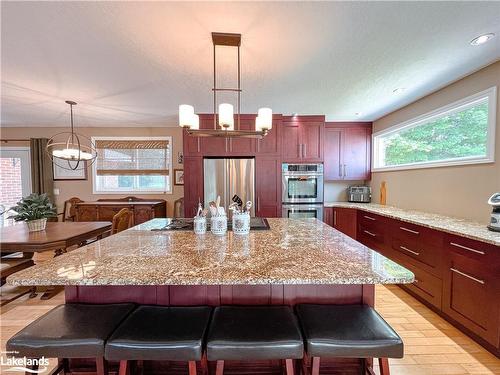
<point>460,133</point>
<point>132,165</point>
<point>15,178</point>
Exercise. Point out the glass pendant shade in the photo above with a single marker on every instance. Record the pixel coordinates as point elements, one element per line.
<point>186,115</point>
<point>71,150</point>
<point>264,120</point>
<point>196,122</point>
<point>226,116</point>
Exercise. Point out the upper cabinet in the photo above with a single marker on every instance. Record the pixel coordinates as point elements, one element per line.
<point>347,150</point>
<point>303,138</point>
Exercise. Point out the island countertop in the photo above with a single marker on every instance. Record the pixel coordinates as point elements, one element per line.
<point>293,251</point>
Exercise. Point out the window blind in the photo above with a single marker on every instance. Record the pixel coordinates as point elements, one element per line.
<point>132,157</point>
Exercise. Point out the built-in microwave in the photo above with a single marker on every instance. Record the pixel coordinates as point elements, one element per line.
<point>302,183</point>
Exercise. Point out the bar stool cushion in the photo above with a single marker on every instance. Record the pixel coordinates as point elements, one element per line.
<point>70,331</point>
<point>254,333</point>
<point>349,331</point>
<point>160,333</point>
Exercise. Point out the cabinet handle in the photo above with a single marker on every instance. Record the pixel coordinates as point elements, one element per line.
<point>467,276</point>
<point>409,230</point>
<point>340,170</point>
<point>370,233</point>
<point>345,171</point>
<point>467,248</point>
<point>258,204</point>
<point>304,149</point>
<point>334,218</point>
<point>369,218</point>
<point>408,250</point>
<point>300,150</point>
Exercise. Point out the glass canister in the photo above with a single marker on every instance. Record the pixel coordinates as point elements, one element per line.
<point>200,224</point>
<point>241,223</point>
<point>218,225</point>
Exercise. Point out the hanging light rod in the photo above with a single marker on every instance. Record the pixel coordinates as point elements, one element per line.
<point>224,124</point>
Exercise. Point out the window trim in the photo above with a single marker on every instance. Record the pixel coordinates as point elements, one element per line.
<point>143,192</point>
<point>490,94</point>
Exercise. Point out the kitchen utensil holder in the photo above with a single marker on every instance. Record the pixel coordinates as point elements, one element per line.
<point>200,225</point>
<point>241,223</point>
<point>218,225</point>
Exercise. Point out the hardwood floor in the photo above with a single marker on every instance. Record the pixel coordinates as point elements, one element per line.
<point>432,346</point>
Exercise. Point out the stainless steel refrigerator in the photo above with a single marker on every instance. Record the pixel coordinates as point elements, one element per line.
<point>229,177</point>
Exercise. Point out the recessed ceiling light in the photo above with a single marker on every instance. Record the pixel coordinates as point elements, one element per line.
<point>481,39</point>
<point>358,114</point>
<point>399,90</point>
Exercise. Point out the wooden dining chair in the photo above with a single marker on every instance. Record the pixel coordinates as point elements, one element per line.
<point>69,210</point>
<point>124,219</point>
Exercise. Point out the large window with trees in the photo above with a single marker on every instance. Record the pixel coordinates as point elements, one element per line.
<point>460,133</point>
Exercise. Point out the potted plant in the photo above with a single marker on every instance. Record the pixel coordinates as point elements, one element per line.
<point>34,210</point>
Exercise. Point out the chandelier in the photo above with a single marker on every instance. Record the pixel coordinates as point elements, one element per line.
<point>70,150</point>
<point>225,126</point>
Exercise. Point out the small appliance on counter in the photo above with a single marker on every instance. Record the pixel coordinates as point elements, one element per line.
<point>359,194</point>
<point>494,201</point>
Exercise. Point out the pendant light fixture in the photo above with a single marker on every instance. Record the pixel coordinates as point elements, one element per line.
<point>70,150</point>
<point>225,126</point>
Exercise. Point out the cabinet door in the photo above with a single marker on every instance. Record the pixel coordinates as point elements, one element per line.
<point>344,220</point>
<point>312,141</point>
<point>271,143</point>
<point>193,184</point>
<point>213,146</point>
<point>356,153</point>
<point>328,215</point>
<point>333,158</point>
<point>244,146</point>
<point>470,296</point>
<point>268,183</point>
<point>191,145</point>
<point>292,148</point>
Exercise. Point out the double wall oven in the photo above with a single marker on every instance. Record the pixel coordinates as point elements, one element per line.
<point>302,192</point>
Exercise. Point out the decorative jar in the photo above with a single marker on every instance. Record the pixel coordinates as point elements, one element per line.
<point>218,225</point>
<point>241,223</point>
<point>200,225</point>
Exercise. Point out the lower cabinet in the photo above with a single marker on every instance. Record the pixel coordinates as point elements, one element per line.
<point>455,275</point>
<point>471,287</point>
<point>267,187</point>
<point>342,219</point>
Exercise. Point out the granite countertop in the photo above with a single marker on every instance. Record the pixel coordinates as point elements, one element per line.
<point>293,251</point>
<point>461,227</point>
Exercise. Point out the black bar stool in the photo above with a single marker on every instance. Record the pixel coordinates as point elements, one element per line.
<point>348,331</point>
<point>153,333</point>
<point>254,333</point>
<point>70,331</point>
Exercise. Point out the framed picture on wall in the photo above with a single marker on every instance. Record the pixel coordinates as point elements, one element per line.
<point>61,174</point>
<point>178,176</point>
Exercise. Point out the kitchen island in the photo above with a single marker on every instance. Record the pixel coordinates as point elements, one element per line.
<point>295,261</point>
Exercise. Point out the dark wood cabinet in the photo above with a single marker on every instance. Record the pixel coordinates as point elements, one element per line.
<point>471,293</point>
<point>347,151</point>
<point>193,184</point>
<point>328,216</point>
<point>104,210</point>
<point>456,276</point>
<point>345,220</point>
<point>303,138</point>
<point>270,145</point>
<point>268,187</point>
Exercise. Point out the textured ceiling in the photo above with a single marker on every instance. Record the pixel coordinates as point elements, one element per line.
<point>133,63</point>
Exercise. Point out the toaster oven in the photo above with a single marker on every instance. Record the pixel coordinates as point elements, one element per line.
<point>359,194</point>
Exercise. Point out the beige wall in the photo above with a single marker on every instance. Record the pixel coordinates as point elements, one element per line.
<point>455,191</point>
<point>83,189</point>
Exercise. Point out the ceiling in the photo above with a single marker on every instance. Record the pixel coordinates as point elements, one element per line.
<point>133,63</point>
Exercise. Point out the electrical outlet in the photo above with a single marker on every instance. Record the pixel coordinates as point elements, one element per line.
<point>56,191</point>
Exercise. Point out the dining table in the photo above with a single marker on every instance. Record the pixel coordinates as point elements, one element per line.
<point>57,237</point>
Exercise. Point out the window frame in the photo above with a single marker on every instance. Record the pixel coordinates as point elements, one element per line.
<point>144,192</point>
<point>462,104</point>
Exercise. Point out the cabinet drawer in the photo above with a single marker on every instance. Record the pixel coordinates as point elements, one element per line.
<point>488,255</point>
<point>416,234</point>
<point>471,293</point>
<point>429,258</point>
<point>426,286</point>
